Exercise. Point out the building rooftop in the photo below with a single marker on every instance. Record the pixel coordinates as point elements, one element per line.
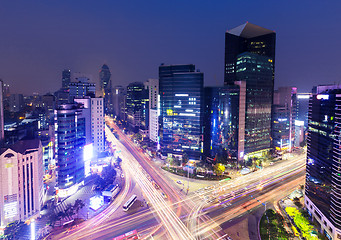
<point>249,30</point>
<point>24,145</point>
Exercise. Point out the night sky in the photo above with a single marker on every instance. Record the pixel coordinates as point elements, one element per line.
<point>38,39</point>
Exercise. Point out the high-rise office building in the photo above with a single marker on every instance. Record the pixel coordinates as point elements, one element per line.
<point>118,98</point>
<point>284,116</point>
<point>323,175</point>
<point>70,140</point>
<point>106,88</point>
<point>250,57</point>
<point>153,89</point>
<point>66,78</point>
<point>81,87</point>
<point>16,102</point>
<point>21,174</point>
<point>137,97</point>
<point>181,96</point>
<point>93,112</point>
<point>224,122</point>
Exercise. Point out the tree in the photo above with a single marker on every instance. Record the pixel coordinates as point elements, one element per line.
<point>219,169</point>
<point>108,175</point>
<point>79,204</point>
<point>184,158</point>
<point>13,229</point>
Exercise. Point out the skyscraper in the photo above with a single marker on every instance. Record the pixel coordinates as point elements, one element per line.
<point>66,78</point>
<point>118,98</point>
<point>106,88</point>
<point>250,57</point>
<point>21,174</point>
<point>137,97</point>
<point>284,116</point>
<point>224,122</point>
<point>70,140</point>
<point>323,175</point>
<point>181,96</point>
<point>153,89</point>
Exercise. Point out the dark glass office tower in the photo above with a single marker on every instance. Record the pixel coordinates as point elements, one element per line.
<point>256,71</point>
<point>181,95</point>
<point>106,88</point>
<point>247,38</point>
<point>323,168</point>
<point>221,121</point>
<point>250,57</point>
<point>66,78</point>
<point>137,101</point>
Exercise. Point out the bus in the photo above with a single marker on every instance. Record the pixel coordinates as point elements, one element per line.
<point>132,235</point>
<point>111,192</point>
<point>129,203</point>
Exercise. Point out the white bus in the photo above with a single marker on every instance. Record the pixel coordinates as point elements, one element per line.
<point>129,203</point>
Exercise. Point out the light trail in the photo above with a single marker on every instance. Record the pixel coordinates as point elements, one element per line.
<point>175,227</point>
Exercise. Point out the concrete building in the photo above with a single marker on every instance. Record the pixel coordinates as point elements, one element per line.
<point>81,87</point>
<point>154,112</point>
<point>16,102</point>
<point>93,112</point>
<point>118,98</point>
<point>21,174</point>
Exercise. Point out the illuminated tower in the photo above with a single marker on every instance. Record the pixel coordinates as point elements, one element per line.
<point>250,57</point>
<point>106,89</point>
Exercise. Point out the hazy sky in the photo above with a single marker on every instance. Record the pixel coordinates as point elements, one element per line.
<point>38,39</point>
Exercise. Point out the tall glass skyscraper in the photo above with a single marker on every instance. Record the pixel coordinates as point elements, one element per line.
<point>66,78</point>
<point>221,121</point>
<point>250,57</point>
<point>323,168</point>
<point>70,141</point>
<point>181,95</point>
<point>106,88</point>
<point>137,105</point>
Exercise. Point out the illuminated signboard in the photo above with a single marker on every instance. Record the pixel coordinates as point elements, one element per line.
<point>10,209</point>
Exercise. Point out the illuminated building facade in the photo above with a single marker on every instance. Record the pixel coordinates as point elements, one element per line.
<point>153,90</point>
<point>256,71</point>
<point>21,174</point>
<point>106,88</point>
<point>283,118</point>
<point>250,57</point>
<point>118,98</point>
<point>70,140</point>
<point>137,106</point>
<point>224,122</point>
<point>181,96</point>
<point>66,78</point>
<point>323,174</point>
<point>81,88</point>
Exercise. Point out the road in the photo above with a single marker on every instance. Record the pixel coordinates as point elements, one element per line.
<point>205,214</point>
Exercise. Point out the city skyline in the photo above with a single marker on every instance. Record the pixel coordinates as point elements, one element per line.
<point>84,37</point>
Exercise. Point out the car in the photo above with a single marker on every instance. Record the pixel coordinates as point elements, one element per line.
<point>179,182</point>
<point>164,195</point>
<point>271,163</point>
